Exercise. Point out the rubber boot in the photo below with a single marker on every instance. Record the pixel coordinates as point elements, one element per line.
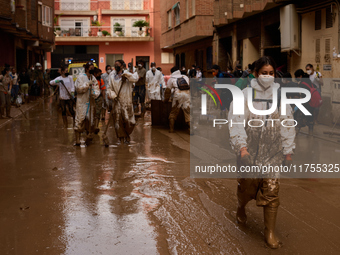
<point>135,108</point>
<point>77,135</point>
<point>1,113</point>
<point>89,138</point>
<point>103,114</point>
<point>191,131</point>
<point>8,114</point>
<point>65,121</point>
<point>127,140</point>
<point>96,124</point>
<point>172,125</point>
<point>310,131</point>
<point>270,214</point>
<point>241,216</point>
<point>143,110</point>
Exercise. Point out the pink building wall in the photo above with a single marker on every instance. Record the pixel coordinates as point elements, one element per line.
<point>129,49</point>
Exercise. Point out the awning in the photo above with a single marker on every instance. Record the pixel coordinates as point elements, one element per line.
<point>175,5</point>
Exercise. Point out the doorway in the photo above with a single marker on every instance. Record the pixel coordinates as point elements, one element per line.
<point>145,59</point>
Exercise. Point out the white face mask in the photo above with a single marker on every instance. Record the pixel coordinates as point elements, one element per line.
<point>109,71</point>
<point>153,68</point>
<point>309,72</point>
<point>140,65</point>
<point>266,80</point>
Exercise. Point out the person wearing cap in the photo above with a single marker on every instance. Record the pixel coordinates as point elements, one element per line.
<point>139,89</point>
<point>154,81</point>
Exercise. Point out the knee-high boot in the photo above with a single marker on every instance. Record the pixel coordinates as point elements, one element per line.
<point>270,238</point>
<point>242,199</point>
<point>1,112</point>
<point>172,125</point>
<point>77,135</point>
<point>65,121</point>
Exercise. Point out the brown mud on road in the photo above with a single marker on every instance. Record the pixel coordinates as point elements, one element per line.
<point>139,199</point>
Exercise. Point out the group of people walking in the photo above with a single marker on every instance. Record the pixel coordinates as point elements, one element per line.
<point>19,88</point>
<point>119,91</point>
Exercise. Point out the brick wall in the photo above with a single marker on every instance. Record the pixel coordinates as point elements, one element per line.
<point>199,25</point>
<point>235,11</point>
<point>190,51</point>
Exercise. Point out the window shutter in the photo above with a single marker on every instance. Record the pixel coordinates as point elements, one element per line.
<point>317,50</point>
<point>318,20</point>
<point>329,17</point>
<point>327,57</point>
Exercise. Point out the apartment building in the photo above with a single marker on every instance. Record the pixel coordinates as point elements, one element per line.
<point>104,31</point>
<point>187,29</point>
<point>26,32</point>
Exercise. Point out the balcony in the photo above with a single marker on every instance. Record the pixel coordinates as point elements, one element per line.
<point>87,7</point>
<point>103,33</point>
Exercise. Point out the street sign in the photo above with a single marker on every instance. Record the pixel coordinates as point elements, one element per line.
<point>327,67</point>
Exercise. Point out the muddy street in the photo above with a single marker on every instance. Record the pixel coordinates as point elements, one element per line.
<point>56,198</point>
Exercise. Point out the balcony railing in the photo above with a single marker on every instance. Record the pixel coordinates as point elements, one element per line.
<point>86,31</point>
<point>87,5</point>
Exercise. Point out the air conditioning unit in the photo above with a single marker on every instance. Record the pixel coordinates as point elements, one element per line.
<point>290,28</point>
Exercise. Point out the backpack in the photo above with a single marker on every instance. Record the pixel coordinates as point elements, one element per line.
<point>182,84</point>
<point>315,100</point>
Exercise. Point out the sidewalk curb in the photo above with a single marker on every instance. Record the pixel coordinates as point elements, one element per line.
<point>40,100</point>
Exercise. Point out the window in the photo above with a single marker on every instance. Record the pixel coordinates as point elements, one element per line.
<point>117,5</point>
<point>46,16</point>
<point>209,57</point>
<point>39,12</point>
<point>136,5</point>
<point>318,20</point>
<point>329,17</point>
<point>177,16</point>
<point>167,58</point>
<point>169,19</point>
<point>327,57</point>
<point>134,30</point>
<point>121,22</point>
<point>112,58</point>
<point>77,27</point>
<point>187,9</point>
<point>193,9</point>
<point>74,5</point>
<point>126,23</point>
<point>182,59</point>
<point>317,50</point>
<point>33,10</point>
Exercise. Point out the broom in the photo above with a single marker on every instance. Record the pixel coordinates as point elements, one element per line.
<point>105,138</point>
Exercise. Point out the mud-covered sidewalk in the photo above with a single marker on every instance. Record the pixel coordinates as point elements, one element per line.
<point>139,199</point>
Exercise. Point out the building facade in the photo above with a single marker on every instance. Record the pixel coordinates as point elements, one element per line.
<point>102,30</point>
<point>187,29</point>
<point>26,32</point>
